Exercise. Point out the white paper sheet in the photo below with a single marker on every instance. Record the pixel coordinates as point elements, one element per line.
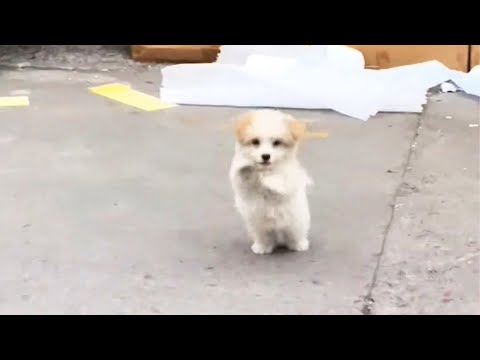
<point>308,77</point>
<point>238,54</point>
<point>308,55</point>
<point>470,83</point>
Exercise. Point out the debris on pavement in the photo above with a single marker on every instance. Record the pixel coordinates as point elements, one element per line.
<point>447,87</point>
<point>23,64</point>
<point>473,125</point>
<point>20,92</point>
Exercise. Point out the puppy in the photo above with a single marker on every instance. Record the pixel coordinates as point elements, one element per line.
<point>268,182</point>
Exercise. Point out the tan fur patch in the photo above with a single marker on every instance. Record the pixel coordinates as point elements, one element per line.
<point>298,130</point>
<point>241,127</point>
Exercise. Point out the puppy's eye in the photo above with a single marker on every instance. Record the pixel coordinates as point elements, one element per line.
<point>277,142</point>
<point>255,142</point>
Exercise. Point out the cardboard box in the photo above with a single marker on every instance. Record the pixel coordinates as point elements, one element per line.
<point>376,56</point>
<point>474,55</point>
<point>387,56</point>
<point>175,53</point>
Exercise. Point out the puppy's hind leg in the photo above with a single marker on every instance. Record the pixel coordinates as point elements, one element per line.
<point>296,237</point>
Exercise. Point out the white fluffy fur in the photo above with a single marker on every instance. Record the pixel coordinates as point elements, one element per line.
<point>271,197</point>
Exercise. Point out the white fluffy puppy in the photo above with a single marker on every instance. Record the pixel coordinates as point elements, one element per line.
<point>268,181</point>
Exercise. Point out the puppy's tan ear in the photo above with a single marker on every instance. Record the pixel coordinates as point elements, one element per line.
<point>298,129</point>
<point>241,125</point>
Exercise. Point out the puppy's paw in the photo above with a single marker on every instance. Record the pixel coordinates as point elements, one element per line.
<point>302,245</point>
<point>261,249</point>
<point>309,181</point>
<point>275,184</point>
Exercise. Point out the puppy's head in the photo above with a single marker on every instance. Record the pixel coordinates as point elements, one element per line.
<point>268,138</point>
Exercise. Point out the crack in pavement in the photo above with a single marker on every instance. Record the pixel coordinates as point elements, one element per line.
<point>368,300</point>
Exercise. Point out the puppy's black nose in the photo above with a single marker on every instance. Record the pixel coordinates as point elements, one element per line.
<point>266,157</point>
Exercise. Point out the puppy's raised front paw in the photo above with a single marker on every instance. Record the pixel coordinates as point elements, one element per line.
<point>261,249</point>
<point>302,245</point>
<point>275,184</point>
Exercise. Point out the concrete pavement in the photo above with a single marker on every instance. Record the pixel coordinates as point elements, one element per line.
<point>110,210</point>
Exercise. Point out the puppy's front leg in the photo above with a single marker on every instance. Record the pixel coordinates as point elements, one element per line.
<point>275,183</point>
<point>261,248</point>
<point>297,238</point>
<point>262,244</point>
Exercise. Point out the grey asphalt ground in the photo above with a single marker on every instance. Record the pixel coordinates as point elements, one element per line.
<point>110,210</point>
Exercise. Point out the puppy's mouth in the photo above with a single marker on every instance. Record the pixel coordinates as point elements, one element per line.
<point>265,162</point>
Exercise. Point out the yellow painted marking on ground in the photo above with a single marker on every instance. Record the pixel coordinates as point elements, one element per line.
<point>10,101</point>
<point>124,94</point>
